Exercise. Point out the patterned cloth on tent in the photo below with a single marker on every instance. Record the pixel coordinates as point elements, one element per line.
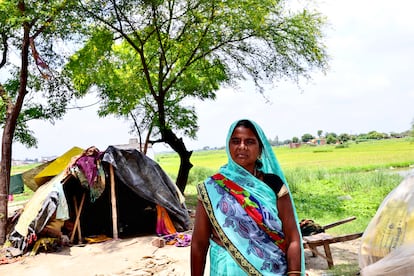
<point>166,229</point>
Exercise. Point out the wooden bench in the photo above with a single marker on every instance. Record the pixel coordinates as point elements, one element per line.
<point>323,239</point>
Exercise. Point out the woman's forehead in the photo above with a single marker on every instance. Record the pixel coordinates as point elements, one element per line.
<point>243,131</point>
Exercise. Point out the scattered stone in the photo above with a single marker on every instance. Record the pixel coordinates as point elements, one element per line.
<point>158,242</point>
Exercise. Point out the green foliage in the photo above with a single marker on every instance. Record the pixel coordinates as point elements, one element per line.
<point>34,91</point>
<point>150,59</point>
<point>94,52</point>
<point>339,195</point>
<point>307,137</point>
<point>330,139</point>
<point>344,137</point>
<point>30,87</point>
<point>199,174</point>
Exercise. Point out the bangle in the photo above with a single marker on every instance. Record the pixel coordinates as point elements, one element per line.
<point>294,272</point>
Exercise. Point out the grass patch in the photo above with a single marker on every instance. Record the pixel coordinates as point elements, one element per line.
<point>327,183</point>
<point>22,168</point>
<point>328,197</point>
<point>344,270</point>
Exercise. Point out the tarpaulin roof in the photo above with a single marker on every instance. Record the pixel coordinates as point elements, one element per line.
<point>57,166</point>
<point>146,178</point>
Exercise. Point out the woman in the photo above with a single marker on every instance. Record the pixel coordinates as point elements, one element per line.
<point>245,213</point>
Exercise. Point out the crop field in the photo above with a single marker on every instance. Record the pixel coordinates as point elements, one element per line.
<point>328,182</point>
<point>381,154</point>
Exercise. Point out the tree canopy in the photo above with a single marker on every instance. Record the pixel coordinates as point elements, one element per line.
<point>147,58</point>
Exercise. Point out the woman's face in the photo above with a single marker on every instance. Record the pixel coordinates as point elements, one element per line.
<point>244,147</point>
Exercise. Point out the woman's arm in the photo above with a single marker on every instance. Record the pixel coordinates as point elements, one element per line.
<point>290,228</point>
<point>200,241</point>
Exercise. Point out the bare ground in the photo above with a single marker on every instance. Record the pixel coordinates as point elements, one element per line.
<point>137,256</point>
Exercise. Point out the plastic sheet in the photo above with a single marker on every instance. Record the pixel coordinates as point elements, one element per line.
<point>387,245</point>
<point>146,178</point>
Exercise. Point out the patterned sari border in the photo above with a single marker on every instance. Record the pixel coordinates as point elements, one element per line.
<point>237,256</point>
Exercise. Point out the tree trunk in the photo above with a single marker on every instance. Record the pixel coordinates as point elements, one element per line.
<point>178,146</point>
<point>184,171</point>
<point>12,113</point>
<point>5,169</point>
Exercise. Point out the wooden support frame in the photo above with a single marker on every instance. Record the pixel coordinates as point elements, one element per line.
<point>323,239</point>
<point>77,226</point>
<point>78,211</point>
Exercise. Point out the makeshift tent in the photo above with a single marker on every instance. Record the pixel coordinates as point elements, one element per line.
<point>139,185</point>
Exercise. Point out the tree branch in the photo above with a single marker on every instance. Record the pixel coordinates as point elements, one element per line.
<point>4,38</point>
<point>139,50</point>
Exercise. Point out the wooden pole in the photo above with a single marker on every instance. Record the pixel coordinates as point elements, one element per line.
<point>113,202</point>
<point>77,221</point>
<point>77,211</point>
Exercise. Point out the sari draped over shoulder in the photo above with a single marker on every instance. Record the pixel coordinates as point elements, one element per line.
<point>243,212</point>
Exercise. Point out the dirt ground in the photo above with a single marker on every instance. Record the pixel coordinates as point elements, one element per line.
<point>138,257</point>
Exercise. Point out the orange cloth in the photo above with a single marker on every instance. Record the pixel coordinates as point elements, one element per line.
<point>164,224</point>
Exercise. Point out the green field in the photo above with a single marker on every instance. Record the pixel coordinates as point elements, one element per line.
<point>381,154</point>
<point>328,182</point>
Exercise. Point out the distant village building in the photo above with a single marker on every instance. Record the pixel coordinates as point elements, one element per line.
<point>316,142</point>
<point>294,145</point>
<point>26,161</point>
<point>319,141</point>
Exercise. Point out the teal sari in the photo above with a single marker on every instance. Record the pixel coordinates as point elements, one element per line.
<point>243,211</point>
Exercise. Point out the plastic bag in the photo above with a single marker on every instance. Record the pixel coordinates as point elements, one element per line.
<point>391,229</point>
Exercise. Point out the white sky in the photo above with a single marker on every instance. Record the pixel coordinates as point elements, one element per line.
<point>369,87</point>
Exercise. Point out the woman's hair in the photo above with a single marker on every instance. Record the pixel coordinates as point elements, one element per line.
<point>248,124</point>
